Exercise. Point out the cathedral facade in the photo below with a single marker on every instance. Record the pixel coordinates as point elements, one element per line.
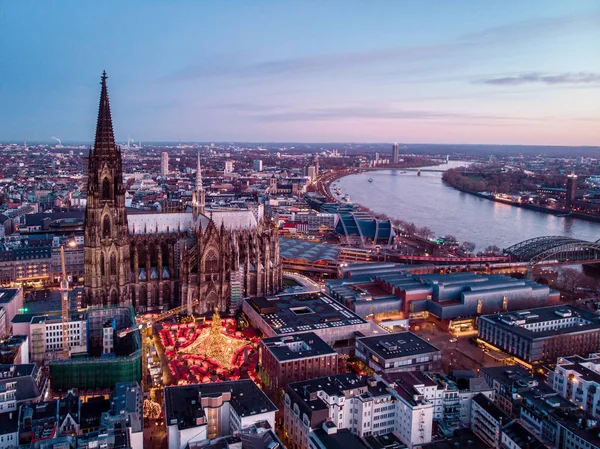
<point>155,261</point>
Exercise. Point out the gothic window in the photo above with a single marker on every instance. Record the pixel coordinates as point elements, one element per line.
<point>211,262</point>
<point>143,300</point>
<point>106,189</point>
<point>102,264</point>
<point>106,227</point>
<point>113,265</point>
<point>114,298</point>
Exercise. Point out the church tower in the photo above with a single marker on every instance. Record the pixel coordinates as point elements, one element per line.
<point>198,196</point>
<point>106,239</point>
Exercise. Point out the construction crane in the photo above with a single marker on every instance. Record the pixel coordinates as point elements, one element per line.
<point>64,293</point>
<point>148,323</point>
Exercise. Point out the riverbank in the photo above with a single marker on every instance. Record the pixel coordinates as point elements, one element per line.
<point>533,207</point>
<point>325,184</point>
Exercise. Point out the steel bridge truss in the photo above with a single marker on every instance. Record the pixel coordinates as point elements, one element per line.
<point>554,249</point>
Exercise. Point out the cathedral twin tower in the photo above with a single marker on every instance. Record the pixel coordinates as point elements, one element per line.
<point>154,261</point>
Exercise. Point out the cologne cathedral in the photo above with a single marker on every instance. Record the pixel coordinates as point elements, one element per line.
<point>210,258</point>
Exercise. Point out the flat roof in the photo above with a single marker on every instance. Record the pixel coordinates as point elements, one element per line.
<point>493,410</point>
<point>401,344</point>
<point>7,294</point>
<point>181,402</point>
<point>303,312</point>
<point>340,439</point>
<point>515,321</point>
<point>298,346</point>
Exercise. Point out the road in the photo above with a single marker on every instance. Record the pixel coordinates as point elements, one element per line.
<point>455,355</point>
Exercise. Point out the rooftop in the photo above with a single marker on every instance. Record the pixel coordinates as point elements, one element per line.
<point>402,344</point>
<point>303,312</point>
<point>493,410</point>
<point>305,392</point>
<point>567,319</point>
<point>341,439</point>
<point>523,437</point>
<point>7,294</point>
<point>297,346</point>
<point>183,403</point>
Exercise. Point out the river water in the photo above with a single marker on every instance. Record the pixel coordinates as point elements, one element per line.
<point>426,201</point>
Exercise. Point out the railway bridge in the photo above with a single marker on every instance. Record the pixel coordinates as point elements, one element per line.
<point>555,250</point>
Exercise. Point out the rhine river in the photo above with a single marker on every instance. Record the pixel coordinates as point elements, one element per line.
<point>426,201</point>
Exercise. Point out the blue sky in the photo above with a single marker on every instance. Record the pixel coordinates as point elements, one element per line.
<point>510,72</point>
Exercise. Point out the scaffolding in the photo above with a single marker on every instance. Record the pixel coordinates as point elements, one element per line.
<point>96,371</point>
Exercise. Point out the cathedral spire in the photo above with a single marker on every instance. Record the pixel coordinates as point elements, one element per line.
<point>105,137</point>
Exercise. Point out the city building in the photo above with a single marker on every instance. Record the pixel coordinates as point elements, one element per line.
<point>257,436</point>
<point>577,379</point>
<point>576,431</point>
<point>414,413</point>
<point>395,154</point>
<point>292,314</point>
<point>14,350</point>
<point>544,334</point>
<point>294,358</point>
<point>515,436</point>
<point>453,298</point>
<point>159,260</point>
<point>164,164</point>
<point>311,172</point>
<point>363,406</point>
<point>200,412</point>
<point>487,420</point>
<point>46,335</point>
<point>228,166</point>
<point>257,165</point>
<point>508,383</point>
<point>11,301</point>
<point>398,352</point>
<point>96,371</point>
<point>362,229</point>
<point>19,384</point>
<point>330,437</point>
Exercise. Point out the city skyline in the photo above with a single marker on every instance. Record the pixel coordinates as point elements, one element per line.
<point>426,73</point>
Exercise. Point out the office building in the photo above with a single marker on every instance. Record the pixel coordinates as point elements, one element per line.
<point>164,164</point>
<point>257,165</point>
<point>294,358</point>
<point>398,352</point>
<point>311,172</point>
<point>543,334</point>
<point>200,412</point>
<point>363,406</point>
<point>289,314</point>
<point>228,167</point>
<point>395,154</point>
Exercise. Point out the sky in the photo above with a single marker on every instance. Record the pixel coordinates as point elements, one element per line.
<point>461,71</point>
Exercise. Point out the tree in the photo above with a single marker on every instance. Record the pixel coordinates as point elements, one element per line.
<point>152,409</point>
<point>468,247</point>
<point>426,233</point>
<point>493,249</point>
